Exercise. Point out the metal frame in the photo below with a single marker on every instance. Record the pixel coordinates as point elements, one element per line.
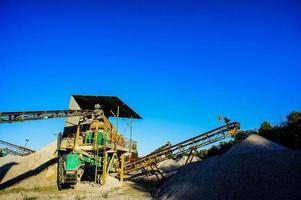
<point>181,148</point>
<point>98,154</point>
<point>15,149</point>
<point>9,117</point>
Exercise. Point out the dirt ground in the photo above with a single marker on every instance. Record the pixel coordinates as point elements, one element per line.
<point>125,191</point>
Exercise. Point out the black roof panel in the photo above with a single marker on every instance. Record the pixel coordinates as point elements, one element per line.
<point>107,103</point>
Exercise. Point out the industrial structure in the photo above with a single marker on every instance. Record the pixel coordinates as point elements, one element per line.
<point>9,148</point>
<point>147,165</point>
<point>90,146</point>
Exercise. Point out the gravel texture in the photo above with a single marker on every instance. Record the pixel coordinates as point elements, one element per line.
<point>253,169</point>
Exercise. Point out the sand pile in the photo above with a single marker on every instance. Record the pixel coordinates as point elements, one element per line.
<point>34,170</point>
<point>6,163</point>
<point>254,169</point>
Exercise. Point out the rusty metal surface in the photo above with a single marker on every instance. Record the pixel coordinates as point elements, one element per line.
<point>186,146</point>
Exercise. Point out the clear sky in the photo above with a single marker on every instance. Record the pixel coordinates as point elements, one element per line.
<point>179,64</point>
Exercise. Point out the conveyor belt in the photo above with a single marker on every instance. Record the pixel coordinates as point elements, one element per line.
<point>8,117</point>
<point>15,149</point>
<point>187,146</point>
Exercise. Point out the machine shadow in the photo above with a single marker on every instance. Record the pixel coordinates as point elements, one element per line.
<point>146,187</point>
<point>144,184</point>
<point>5,168</point>
<point>28,174</point>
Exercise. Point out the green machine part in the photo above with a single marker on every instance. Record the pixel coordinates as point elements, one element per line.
<point>73,161</point>
<point>89,137</point>
<point>3,152</point>
<point>101,138</point>
<point>91,161</point>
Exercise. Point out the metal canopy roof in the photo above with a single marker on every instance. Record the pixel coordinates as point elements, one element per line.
<point>108,104</point>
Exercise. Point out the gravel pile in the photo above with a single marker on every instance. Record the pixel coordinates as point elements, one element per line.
<point>32,171</point>
<point>254,144</point>
<point>254,169</point>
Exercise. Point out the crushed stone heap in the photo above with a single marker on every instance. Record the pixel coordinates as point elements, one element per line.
<point>31,171</point>
<point>253,169</point>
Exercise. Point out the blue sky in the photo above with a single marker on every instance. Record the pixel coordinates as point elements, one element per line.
<point>179,64</point>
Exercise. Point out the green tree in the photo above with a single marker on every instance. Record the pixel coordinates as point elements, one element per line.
<point>243,134</point>
<point>202,154</point>
<point>294,117</point>
<point>265,127</point>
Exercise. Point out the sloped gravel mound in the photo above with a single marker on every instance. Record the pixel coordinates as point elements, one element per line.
<point>254,169</point>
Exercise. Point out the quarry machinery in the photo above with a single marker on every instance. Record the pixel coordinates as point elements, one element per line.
<point>147,165</point>
<point>90,146</point>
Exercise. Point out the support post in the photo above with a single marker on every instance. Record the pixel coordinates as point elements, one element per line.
<point>117,119</point>
<point>131,131</point>
<point>76,138</point>
<point>95,139</point>
<point>122,168</point>
<point>188,158</point>
<point>154,171</point>
<point>95,149</point>
<point>191,158</point>
<point>96,158</point>
<point>116,129</point>
<point>159,171</point>
<point>104,168</point>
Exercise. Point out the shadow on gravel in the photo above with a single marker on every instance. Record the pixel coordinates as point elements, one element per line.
<point>26,174</point>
